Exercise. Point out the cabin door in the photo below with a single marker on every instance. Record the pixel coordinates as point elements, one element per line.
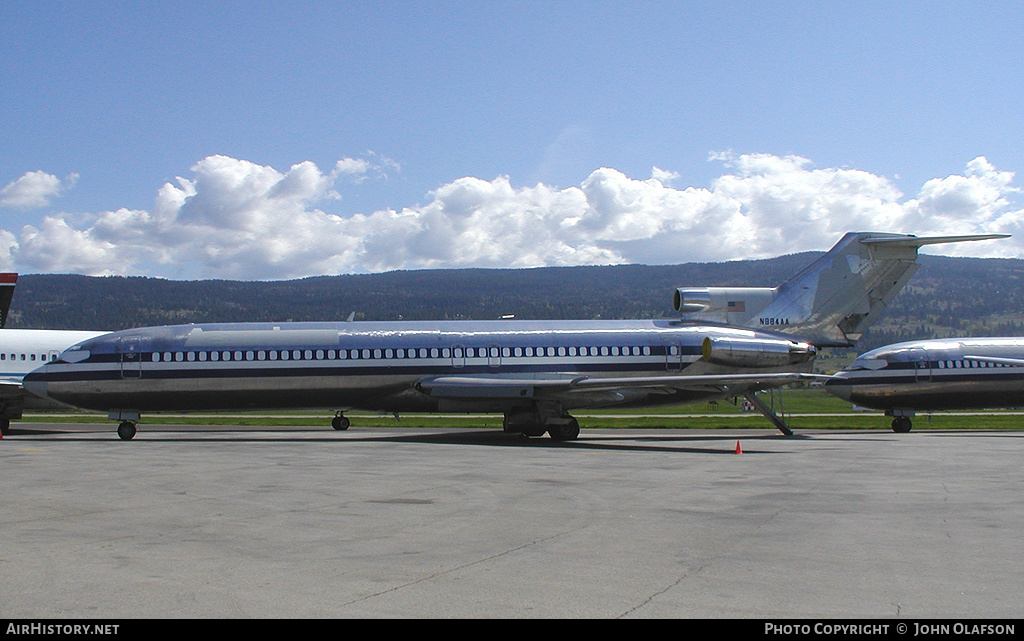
<point>130,350</point>
<point>922,366</point>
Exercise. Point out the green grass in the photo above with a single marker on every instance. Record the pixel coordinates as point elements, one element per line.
<point>795,405</point>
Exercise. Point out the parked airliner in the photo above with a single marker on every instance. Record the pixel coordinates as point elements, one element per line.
<point>937,374</point>
<point>23,350</point>
<point>729,341</point>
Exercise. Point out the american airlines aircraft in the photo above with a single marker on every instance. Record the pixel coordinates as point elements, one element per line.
<point>729,341</point>
<point>23,350</point>
<point>937,374</point>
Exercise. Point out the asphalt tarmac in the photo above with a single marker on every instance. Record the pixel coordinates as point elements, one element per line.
<point>191,522</point>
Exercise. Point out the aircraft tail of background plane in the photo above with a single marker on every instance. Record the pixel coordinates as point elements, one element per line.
<point>830,302</point>
<point>7,283</point>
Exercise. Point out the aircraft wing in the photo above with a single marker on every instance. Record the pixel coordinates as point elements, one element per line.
<point>498,387</point>
<point>10,387</point>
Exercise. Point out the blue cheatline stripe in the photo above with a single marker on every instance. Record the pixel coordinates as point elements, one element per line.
<point>202,370</point>
<point>935,377</point>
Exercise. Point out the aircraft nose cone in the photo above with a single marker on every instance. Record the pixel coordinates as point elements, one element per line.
<point>35,383</point>
<point>839,386</point>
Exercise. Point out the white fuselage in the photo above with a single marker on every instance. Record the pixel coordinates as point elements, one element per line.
<point>24,350</point>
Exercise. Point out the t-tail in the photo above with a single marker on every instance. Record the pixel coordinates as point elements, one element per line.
<point>831,302</point>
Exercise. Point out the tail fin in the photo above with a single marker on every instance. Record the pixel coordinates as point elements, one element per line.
<point>830,302</point>
<point>7,283</point>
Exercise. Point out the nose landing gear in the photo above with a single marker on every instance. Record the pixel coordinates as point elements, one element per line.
<point>901,424</point>
<point>340,422</point>
<point>126,430</point>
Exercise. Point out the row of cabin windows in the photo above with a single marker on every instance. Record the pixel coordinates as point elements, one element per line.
<point>968,364</point>
<point>23,357</point>
<point>421,352</point>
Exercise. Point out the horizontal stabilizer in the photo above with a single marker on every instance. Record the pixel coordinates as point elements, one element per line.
<point>914,241</point>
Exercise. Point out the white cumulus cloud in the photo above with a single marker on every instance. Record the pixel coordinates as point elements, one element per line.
<point>232,218</point>
<point>34,189</point>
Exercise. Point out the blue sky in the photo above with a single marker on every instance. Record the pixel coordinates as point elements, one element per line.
<point>273,140</point>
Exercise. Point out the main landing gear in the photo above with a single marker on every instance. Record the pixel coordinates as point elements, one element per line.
<point>559,425</point>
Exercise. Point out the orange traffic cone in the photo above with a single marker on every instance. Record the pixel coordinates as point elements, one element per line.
<point>738,449</point>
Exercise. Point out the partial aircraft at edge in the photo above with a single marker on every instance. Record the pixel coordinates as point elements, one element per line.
<point>23,350</point>
<point>935,374</point>
<point>728,341</point>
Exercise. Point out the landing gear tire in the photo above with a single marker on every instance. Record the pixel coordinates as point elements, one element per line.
<point>568,430</point>
<point>901,424</point>
<point>340,423</point>
<point>126,430</point>
<point>526,424</point>
<point>532,432</point>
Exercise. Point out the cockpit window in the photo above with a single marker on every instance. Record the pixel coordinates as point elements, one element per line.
<point>868,363</point>
<point>74,355</point>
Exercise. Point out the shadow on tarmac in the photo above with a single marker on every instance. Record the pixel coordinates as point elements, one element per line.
<point>624,440</point>
<point>607,440</point>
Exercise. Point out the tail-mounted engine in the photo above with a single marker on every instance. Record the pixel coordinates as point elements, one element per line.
<point>755,352</point>
<point>722,300</point>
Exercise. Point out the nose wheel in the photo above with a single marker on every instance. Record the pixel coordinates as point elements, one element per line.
<point>126,430</point>
<point>901,424</point>
<point>340,422</point>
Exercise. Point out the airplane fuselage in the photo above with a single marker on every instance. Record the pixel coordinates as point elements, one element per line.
<point>941,374</point>
<point>379,366</point>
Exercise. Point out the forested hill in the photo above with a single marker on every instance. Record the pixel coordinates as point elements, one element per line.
<point>947,296</point>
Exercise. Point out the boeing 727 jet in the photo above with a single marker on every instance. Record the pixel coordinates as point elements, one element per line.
<point>728,341</point>
<point>936,374</point>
